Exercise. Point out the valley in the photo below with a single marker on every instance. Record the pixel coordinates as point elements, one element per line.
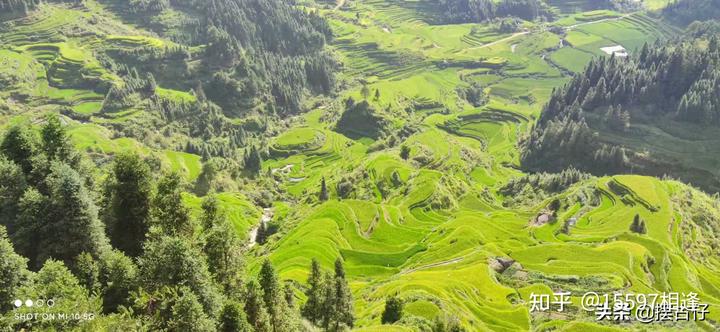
<point>412,170</point>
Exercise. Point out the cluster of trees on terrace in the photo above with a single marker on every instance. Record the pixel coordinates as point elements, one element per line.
<point>127,250</point>
<point>242,58</point>
<point>255,50</point>
<point>676,79</point>
<point>476,11</point>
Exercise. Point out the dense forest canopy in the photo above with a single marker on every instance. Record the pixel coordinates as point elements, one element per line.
<point>687,11</point>
<point>475,11</point>
<point>255,51</point>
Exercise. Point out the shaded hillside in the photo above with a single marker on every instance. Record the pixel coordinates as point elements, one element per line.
<point>654,113</point>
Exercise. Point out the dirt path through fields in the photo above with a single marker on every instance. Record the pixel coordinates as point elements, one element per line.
<point>568,28</point>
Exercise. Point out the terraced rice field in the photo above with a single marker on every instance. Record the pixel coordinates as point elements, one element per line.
<point>428,227</point>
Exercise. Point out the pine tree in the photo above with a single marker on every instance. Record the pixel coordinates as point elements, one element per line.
<point>74,227</point>
<point>20,146</point>
<point>313,308</point>
<point>393,310</point>
<point>262,233</point>
<point>12,187</point>
<point>365,91</point>
<point>222,248</point>
<point>33,211</point>
<point>211,213</point>
<point>404,152</point>
<point>328,300</point>
<point>204,182</point>
<point>342,315</point>
<point>86,269</point>
<point>188,314</point>
<point>270,285</point>
<point>255,308</point>
<point>118,276</point>
<point>253,162</point>
<point>233,318</point>
<point>129,193</point>
<point>13,271</point>
<point>323,190</point>
<point>169,261</point>
<point>638,225</point>
<point>377,94</point>
<point>56,144</point>
<point>168,210</point>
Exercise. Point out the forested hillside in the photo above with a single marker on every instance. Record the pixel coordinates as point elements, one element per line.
<point>687,11</point>
<point>662,84</point>
<point>476,11</point>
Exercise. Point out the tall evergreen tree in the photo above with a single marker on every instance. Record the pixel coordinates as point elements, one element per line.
<point>13,272</point>
<point>33,211</point>
<point>233,319</point>
<point>118,276</point>
<point>12,187</point>
<point>313,309</point>
<point>74,227</point>
<point>393,310</point>
<point>257,314</point>
<point>20,145</point>
<point>342,315</point>
<point>56,144</point>
<point>168,210</point>
<point>222,248</point>
<point>323,190</point>
<point>282,319</point>
<point>365,91</point>
<point>129,193</point>
<point>171,261</point>
<point>253,162</point>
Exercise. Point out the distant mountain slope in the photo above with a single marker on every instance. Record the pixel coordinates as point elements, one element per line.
<point>686,11</point>
<point>204,77</point>
<point>656,113</point>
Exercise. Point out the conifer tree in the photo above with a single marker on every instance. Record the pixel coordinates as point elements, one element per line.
<point>13,271</point>
<point>393,310</point>
<point>233,318</point>
<point>365,91</point>
<point>638,225</point>
<point>257,314</point>
<point>168,210</point>
<point>282,319</point>
<point>129,195</point>
<point>323,190</point>
<point>342,315</point>
<point>20,145</point>
<point>12,187</point>
<point>222,248</point>
<point>118,276</point>
<point>55,142</point>
<point>313,308</point>
<point>253,162</point>
<point>169,261</point>
<point>74,227</point>
<point>404,152</point>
